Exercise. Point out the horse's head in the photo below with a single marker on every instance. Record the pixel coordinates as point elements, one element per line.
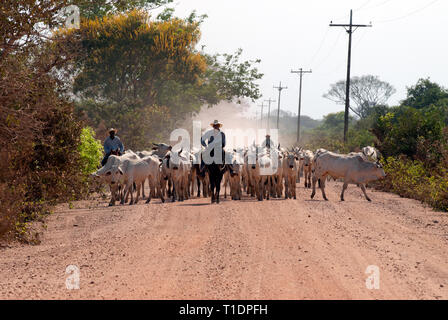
<point>116,152</point>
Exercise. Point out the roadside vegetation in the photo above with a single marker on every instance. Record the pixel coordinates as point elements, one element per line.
<point>60,89</point>
<point>412,138</point>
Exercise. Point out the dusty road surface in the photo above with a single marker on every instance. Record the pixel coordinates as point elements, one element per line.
<point>278,249</point>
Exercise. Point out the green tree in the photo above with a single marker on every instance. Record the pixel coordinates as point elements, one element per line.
<point>91,9</point>
<point>424,94</point>
<point>90,150</point>
<point>128,66</point>
<point>403,130</point>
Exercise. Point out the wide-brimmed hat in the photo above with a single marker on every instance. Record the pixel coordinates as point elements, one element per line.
<point>112,129</point>
<point>216,123</point>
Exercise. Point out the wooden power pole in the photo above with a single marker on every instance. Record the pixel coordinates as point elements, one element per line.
<point>269,113</point>
<point>261,119</point>
<point>350,28</point>
<point>280,89</point>
<point>300,72</point>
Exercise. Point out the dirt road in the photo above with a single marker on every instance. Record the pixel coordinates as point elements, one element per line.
<point>278,249</point>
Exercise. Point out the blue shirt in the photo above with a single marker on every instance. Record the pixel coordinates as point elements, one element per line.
<point>114,144</point>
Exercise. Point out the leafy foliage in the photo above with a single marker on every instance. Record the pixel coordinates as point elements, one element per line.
<point>39,135</point>
<point>424,94</point>
<point>131,71</point>
<point>403,129</point>
<point>91,9</point>
<point>90,151</point>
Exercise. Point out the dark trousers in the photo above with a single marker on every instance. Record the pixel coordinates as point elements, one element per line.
<point>104,161</point>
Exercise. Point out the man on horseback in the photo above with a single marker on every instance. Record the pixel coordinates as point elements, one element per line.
<point>214,140</point>
<point>112,145</point>
<point>209,137</point>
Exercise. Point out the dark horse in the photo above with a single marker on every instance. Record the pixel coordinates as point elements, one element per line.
<point>116,153</point>
<point>215,172</point>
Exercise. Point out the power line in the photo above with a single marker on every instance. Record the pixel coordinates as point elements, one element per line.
<point>378,5</point>
<point>350,31</point>
<point>409,14</point>
<point>363,6</point>
<point>320,47</point>
<point>330,52</point>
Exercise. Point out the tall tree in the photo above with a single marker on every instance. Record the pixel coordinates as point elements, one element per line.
<point>365,92</point>
<point>424,94</point>
<point>91,9</point>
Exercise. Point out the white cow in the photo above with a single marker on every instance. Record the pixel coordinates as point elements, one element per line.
<point>353,169</point>
<point>290,174</point>
<point>154,177</point>
<point>104,175</point>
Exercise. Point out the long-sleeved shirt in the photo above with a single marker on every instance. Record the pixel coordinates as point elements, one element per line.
<point>113,144</point>
<point>211,135</point>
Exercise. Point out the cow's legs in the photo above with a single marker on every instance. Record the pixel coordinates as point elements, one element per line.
<point>139,185</point>
<point>170,188</point>
<point>363,188</point>
<point>322,187</point>
<point>344,187</point>
<point>314,187</point>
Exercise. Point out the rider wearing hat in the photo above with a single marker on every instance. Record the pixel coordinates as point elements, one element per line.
<point>112,143</point>
<point>211,135</point>
<point>267,142</point>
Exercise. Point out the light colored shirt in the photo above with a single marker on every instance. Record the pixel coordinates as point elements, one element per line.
<point>212,134</point>
<point>114,144</point>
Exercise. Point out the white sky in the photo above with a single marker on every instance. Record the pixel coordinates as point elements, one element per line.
<point>408,41</point>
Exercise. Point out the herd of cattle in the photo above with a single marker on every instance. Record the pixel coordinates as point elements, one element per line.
<point>260,172</point>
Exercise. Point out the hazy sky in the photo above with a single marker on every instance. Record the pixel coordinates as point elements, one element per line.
<point>408,40</point>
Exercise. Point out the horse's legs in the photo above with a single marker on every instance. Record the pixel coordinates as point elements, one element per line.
<point>212,187</point>
<point>218,187</point>
<point>199,186</point>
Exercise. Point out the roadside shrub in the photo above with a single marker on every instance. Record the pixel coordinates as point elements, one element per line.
<point>412,179</point>
<point>90,151</point>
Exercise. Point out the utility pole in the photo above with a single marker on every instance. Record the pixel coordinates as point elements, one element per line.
<point>349,28</point>
<point>279,88</point>
<point>300,72</point>
<point>269,113</point>
<point>261,120</point>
